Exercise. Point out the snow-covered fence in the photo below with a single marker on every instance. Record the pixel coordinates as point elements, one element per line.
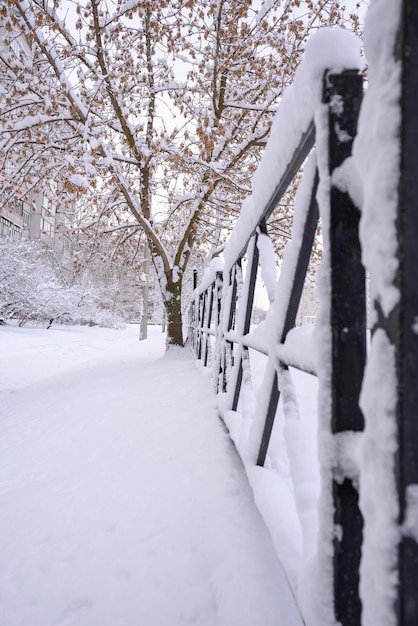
<point>321,108</point>
<point>356,559</point>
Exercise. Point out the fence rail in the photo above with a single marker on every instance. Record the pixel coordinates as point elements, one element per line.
<point>222,337</point>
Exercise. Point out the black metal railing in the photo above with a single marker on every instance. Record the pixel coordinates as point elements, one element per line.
<point>229,349</point>
<point>220,328</point>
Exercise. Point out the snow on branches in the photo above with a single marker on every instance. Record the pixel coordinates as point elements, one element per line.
<point>149,102</point>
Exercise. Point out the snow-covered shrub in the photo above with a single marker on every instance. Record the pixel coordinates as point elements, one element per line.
<point>33,287</point>
<point>29,286</point>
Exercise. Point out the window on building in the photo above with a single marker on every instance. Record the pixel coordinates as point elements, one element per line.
<point>48,206</point>
<point>31,200</point>
<point>18,207</point>
<point>47,228</point>
<point>8,229</point>
<point>26,219</point>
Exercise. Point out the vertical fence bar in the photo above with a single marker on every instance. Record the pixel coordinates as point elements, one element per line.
<point>343,93</point>
<point>269,419</point>
<point>209,322</point>
<point>199,324</point>
<point>402,330</point>
<point>248,302</point>
<point>291,306</point>
<point>218,329</point>
<point>192,321</point>
<point>202,316</point>
<point>194,315</point>
<point>228,346</point>
<point>252,279</point>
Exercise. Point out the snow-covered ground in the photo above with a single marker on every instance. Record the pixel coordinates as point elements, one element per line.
<point>122,499</point>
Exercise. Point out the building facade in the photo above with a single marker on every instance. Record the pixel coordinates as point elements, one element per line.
<point>25,212</point>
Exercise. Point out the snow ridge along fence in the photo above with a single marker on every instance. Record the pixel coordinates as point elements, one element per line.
<point>355,557</point>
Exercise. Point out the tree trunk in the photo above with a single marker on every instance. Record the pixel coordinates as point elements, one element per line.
<point>174,316</point>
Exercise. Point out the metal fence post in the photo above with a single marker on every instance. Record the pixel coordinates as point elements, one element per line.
<point>343,93</point>
<point>230,304</point>
<point>218,330</point>
<point>401,327</point>
<point>208,346</point>
<point>202,315</point>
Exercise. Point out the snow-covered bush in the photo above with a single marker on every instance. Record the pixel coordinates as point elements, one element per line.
<point>29,286</point>
<point>33,287</point>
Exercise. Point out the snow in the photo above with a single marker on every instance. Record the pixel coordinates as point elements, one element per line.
<point>78,180</point>
<point>122,500</point>
<point>299,349</point>
<point>410,527</point>
<point>286,489</point>
<point>209,275</point>
<point>320,567</point>
<point>348,180</point>
<point>376,154</point>
<point>378,493</point>
<point>268,264</point>
<point>376,151</point>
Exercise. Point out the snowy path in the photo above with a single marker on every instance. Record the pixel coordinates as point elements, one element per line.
<point>122,501</point>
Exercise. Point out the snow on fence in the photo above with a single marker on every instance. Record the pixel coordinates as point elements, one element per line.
<point>344,514</point>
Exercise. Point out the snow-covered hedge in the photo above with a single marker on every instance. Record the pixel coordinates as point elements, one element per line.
<point>34,287</point>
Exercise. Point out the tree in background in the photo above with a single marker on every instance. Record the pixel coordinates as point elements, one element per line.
<point>34,287</point>
<point>112,264</point>
<point>31,285</point>
<point>160,108</point>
